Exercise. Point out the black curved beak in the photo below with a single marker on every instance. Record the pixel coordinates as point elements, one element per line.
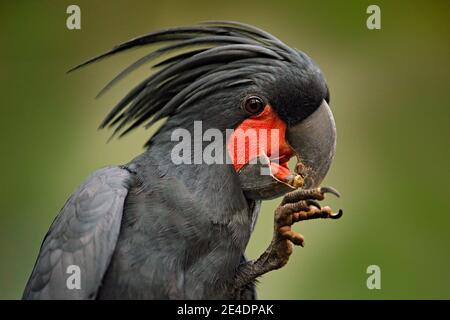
<point>314,142</point>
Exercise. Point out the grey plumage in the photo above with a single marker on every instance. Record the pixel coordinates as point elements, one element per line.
<point>155,230</point>
<point>84,234</point>
<point>226,46</point>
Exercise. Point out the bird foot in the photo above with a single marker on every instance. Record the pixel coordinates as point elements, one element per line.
<point>296,206</point>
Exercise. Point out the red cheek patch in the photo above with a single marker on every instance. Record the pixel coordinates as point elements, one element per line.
<point>260,134</point>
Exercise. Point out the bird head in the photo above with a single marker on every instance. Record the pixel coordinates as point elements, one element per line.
<point>233,75</point>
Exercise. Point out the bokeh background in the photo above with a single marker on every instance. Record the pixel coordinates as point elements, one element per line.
<point>390,96</point>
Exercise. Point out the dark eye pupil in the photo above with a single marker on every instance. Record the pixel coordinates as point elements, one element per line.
<point>254,105</point>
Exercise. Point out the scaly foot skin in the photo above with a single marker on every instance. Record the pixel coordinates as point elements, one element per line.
<point>296,206</point>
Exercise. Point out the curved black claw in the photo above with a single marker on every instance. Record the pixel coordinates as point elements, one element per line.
<point>337,215</point>
<point>314,203</point>
<point>330,190</point>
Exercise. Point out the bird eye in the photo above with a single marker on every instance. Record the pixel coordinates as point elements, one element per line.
<point>253,104</point>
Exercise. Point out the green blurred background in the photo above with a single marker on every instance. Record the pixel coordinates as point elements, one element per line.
<point>389,92</point>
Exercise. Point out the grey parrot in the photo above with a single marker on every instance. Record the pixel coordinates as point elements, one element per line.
<point>156,228</point>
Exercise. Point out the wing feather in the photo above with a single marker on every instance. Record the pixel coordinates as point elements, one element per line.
<point>84,234</point>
